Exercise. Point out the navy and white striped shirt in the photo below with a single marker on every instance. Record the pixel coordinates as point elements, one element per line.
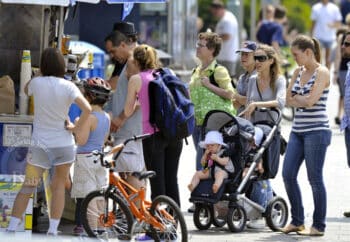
<point>310,118</point>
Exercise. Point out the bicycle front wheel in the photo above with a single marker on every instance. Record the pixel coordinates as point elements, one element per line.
<point>168,213</point>
<point>106,216</point>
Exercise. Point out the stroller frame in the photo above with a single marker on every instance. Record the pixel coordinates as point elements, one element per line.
<point>240,207</point>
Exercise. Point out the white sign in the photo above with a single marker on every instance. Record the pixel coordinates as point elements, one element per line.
<point>16,135</point>
<point>40,2</point>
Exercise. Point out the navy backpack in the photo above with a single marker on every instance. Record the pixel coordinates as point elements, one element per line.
<point>171,110</point>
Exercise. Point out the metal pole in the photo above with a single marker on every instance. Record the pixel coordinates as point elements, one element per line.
<point>252,19</point>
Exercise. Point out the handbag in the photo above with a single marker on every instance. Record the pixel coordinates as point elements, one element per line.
<point>283,145</point>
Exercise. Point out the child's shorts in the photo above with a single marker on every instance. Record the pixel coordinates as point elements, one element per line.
<point>87,176</point>
<point>49,157</point>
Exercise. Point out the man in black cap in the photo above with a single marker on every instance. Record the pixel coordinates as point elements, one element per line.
<point>120,45</point>
<point>128,29</point>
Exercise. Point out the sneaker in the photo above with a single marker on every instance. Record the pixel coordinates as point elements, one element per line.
<point>78,230</point>
<point>52,233</point>
<point>346,214</point>
<point>144,237</point>
<point>256,224</point>
<point>337,120</point>
<point>191,209</point>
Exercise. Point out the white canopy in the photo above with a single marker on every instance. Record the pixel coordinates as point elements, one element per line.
<point>67,2</point>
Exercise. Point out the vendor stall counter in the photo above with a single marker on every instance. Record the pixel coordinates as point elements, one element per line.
<point>15,136</point>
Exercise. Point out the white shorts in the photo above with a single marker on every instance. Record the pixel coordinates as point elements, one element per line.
<point>48,157</point>
<point>87,176</point>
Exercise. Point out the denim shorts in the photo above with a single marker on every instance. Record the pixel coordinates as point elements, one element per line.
<point>49,157</point>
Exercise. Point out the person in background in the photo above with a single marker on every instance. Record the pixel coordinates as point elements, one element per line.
<point>272,32</point>
<point>266,15</point>
<point>88,175</point>
<point>120,45</point>
<point>326,18</point>
<point>248,64</point>
<point>340,70</point>
<point>310,136</point>
<point>227,29</point>
<point>52,145</point>
<point>345,123</point>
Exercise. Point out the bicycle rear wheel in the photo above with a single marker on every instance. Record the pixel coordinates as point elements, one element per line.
<point>169,214</point>
<point>106,217</point>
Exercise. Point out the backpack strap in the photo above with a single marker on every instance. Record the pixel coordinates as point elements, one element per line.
<point>211,76</point>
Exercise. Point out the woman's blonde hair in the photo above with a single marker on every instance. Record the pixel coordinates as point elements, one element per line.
<point>146,57</point>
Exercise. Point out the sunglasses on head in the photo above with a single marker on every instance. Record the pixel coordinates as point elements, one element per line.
<point>346,44</point>
<point>261,58</point>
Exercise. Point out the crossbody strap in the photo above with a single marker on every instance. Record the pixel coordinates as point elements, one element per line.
<point>268,111</point>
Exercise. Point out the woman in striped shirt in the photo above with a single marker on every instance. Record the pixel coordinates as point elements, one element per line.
<point>310,136</point>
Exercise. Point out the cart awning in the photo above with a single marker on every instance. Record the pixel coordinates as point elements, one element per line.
<point>68,2</point>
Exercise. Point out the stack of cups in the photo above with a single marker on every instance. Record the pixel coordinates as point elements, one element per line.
<point>26,72</point>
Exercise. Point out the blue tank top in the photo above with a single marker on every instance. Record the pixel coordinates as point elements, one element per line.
<point>310,118</point>
<point>97,137</point>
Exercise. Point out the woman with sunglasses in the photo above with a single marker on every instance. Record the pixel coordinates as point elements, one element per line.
<point>310,135</point>
<point>267,89</point>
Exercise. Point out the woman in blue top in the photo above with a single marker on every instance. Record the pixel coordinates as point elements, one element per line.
<point>310,136</point>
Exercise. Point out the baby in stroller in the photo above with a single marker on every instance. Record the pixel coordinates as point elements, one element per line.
<point>214,160</point>
<point>242,146</point>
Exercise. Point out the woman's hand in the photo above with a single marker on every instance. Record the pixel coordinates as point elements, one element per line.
<point>69,125</point>
<point>249,110</point>
<point>116,124</point>
<point>205,81</point>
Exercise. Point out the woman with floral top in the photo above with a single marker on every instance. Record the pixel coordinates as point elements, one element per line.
<point>209,94</point>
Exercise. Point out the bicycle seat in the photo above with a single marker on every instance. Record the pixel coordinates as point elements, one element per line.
<point>144,174</point>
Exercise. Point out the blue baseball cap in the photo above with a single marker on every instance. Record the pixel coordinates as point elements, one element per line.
<point>248,46</point>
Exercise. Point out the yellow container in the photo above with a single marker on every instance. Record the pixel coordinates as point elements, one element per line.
<point>31,105</point>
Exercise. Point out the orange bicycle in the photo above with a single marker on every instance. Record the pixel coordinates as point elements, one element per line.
<point>121,211</point>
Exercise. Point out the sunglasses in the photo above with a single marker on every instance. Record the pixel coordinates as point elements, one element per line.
<point>261,58</point>
<point>199,45</point>
<point>346,44</point>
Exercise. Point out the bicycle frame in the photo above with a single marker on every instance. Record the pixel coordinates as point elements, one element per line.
<point>129,193</point>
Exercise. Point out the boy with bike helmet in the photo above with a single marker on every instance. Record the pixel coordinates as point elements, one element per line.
<point>89,176</point>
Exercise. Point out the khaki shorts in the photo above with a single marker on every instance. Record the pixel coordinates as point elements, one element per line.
<point>87,176</point>
<point>131,159</point>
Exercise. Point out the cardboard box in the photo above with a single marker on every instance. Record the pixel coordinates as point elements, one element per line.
<point>7,95</point>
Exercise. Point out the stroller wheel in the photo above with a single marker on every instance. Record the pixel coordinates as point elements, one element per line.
<point>202,216</point>
<point>276,213</point>
<point>236,218</point>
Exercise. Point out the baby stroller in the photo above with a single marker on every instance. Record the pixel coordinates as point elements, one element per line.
<point>234,193</point>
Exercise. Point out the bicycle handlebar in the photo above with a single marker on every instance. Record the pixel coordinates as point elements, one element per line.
<point>102,154</point>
